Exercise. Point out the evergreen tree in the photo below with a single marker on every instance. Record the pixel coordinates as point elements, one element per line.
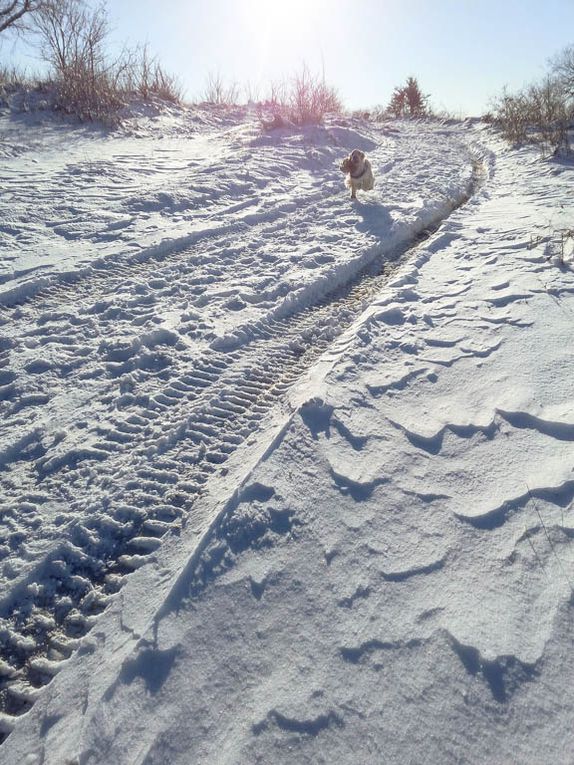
<point>397,105</point>
<point>408,101</point>
<point>416,102</point>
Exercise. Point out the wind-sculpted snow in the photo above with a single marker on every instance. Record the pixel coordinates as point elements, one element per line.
<point>130,374</point>
<point>344,489</point>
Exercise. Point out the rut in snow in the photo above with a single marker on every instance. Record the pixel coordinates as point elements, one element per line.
<point>101,503</point>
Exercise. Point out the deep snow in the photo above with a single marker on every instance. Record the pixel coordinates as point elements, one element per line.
<point>347,509</point>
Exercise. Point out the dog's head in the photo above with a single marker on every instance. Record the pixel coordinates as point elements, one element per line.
<point>345,165</point>
<point>354,162</point>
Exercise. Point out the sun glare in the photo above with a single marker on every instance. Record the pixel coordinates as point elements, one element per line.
<point>283,34</point>
<point>283,19</point>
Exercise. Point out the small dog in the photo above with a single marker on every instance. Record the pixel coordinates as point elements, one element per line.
<point>359,172</point>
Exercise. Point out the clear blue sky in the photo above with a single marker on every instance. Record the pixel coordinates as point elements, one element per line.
<point>462,51</point>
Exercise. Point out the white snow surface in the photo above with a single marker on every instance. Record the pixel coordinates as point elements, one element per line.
<point>282,479</point>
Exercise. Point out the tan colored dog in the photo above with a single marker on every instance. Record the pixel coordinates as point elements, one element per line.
<point>359,172</point>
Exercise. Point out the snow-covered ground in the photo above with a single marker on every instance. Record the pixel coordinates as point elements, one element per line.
<point>285,478</point>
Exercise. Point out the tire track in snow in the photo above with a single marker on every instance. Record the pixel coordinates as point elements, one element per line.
<point>112,270</point>
<point>155,450</point>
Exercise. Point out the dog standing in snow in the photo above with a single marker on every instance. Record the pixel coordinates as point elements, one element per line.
<point>359,172</point>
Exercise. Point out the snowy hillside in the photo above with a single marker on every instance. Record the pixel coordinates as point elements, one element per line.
<point>284,478</point>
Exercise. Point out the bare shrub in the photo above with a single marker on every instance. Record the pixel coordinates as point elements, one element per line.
<point>272,111</point>
<point>137,71</point>
<point>252,93</point>
<point>22,91</point>
<point>511,114</point>
<point>73,41</point>
<point>539,114</point>
<point>550,114</point>
<point>71,35</point>
<point>310,98</point>
<point>217,91</point>
<point>165,86</point>
<point>543,112</point>
<point>12,77</point>
<point>87,94</point>
<point>305,100</point>
<point>562,66</point>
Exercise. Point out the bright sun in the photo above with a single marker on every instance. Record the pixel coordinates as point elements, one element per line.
<point>282,19</point>
<point>283,35</point>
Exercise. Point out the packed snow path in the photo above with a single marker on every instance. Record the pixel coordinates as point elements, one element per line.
<point>391,580</point>
<point>380,573</point>
<point>160,293</point>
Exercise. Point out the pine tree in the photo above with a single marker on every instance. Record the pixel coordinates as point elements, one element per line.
<point>408,101</point>
<point>397,105</point>
<point>416,102</point>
